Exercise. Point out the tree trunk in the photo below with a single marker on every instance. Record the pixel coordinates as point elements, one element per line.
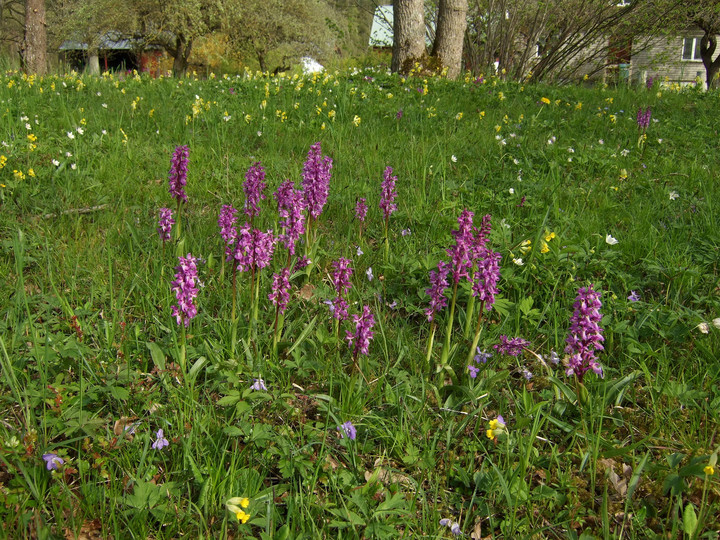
<point>35,43</point>
<point>708,44</point>
<point>408,34</point>
<point>93,65</point>
<point>450,35</point>
<point>181,55</point>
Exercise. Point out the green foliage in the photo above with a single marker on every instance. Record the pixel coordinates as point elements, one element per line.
<point>93,364</point>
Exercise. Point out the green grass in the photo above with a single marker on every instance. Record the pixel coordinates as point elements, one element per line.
<point>88,345</point>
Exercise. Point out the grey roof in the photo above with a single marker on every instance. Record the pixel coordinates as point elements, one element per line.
<point>108,41</point>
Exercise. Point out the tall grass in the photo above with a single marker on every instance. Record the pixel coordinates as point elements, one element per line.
<point>92,365</point>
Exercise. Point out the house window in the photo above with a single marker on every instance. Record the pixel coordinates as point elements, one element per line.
<point>691,49</point>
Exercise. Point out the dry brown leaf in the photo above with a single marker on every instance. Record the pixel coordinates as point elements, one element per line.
<point>90,530</point>
<point>476,533</point>
<point>306,291</point>
<point>126,426</point>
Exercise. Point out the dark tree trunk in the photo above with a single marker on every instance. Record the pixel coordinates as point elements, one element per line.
<point>181,55</point>
<point>708,44</point>
<point>408,34</point>
<point>35,43</point>
<point>450,35</point>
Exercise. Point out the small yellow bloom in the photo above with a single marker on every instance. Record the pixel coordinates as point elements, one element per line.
<point>545,100</point>
<point>31,172</point>
<point>544,248</point>
<point>578,106</point>
<point>549,235</point>
<point>613,119</point>
<point>242,516</point>
<point>482,114</point>
<point>356,120</point>
<point>3,161</point>
<point>459,116</point>
<point>709,470</point>
<point>31,137</point>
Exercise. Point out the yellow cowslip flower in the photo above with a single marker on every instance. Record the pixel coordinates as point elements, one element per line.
<point>623,174</point>
<point>31,137</point>
<point>331,114</point>
<point>151,113</point>
<point>558,101</point>
<point>544,248</point>
<point>545,100</point>
<point>459,116</point>
<point>501,96</point>
<point>525,246</point>
<point>356,120</point>
<point>322,127</point>
<point>609,100</point>
<point>236,505</point>
<point>31,172</point>
<point>19,174</point>
<point>318,110</point>
<point>389,95</point>
<point>83,121</point>
<point>482,114</point>
<point>578,106</point>
<point>549,235</point>
<point>497,128</point>
<point>263,104</point>
<point>709,470</point>
<point>3,161</point>
<point>248,118</point>
<point>495,427</point>
<point>613,119</point>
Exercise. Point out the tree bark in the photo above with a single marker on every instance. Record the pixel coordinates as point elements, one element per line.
<point>450,34</point>
<point>35,43</point>
<point>408,34</point>
<point>708,44</point>
<point>181,55</point>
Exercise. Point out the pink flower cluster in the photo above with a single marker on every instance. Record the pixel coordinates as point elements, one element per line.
<point>585,336</point>
<point>280,295</point>
<point>254,248</point>
<point>165,223</point>
<point>185,289</point>
<point>178,173</point>
<point>253,187</point>
<point>291,205</point>
<point>387,197</point>
<point>363,332</point>
<point>316,180</point>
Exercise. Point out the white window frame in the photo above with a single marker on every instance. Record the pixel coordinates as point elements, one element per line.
<point>695,48</point>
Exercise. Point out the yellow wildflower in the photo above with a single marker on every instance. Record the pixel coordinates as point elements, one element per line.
<point>544,248</point>
<point>709,470</point>
<point>3,161</point>
<point>31,172</point>
<point>549,235</point>
<point>545,100</point>
<point>459,116</point>
<point>356,120</point>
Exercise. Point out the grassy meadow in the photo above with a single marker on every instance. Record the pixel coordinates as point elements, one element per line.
<point>276,425</point>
